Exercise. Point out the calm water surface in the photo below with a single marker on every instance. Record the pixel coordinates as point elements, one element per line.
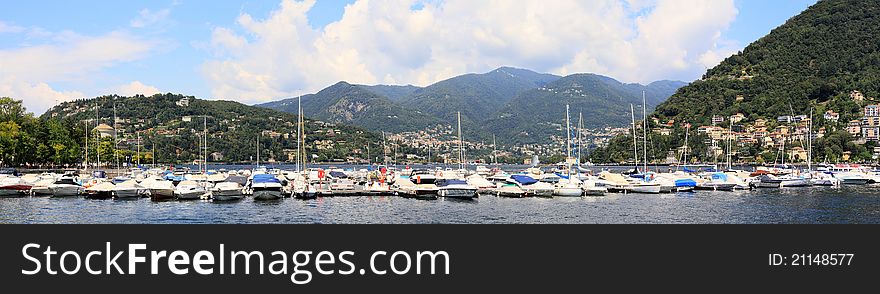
<point>847,204</point>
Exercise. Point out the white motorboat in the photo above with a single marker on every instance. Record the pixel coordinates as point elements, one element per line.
<point>65,187</point>
<point>14,187</point>
<point>102,190</point>
<point>621,184</point>
<point>531,186</point>
<point>159,189</point>
<point>128,190</point>
<point>41,187</point>
<point>459,189</point>
<point>265,187</point>
<point>510,190</point>
<point>227,191</point>
<point>189,190</point>
<point>568,188</point>
<point>484,186</point>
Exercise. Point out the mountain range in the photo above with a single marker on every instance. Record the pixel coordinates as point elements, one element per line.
<point>515,104</point>
<point>814,60</point>
<point>825,59</point>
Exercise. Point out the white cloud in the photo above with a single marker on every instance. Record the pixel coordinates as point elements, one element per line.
<point>27,73</point>
<point>148,17</point>
<point>37,96</point>
<point>8,28</point>
<point>135,88</point>
<point>388,42</point>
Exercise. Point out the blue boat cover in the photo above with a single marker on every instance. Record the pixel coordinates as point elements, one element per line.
<point>561,176</point>
<point>523,179</point>
<point>687,170</point>
<point>685,183</point>
<point>338,175</point>
<point>265,178</point>
<point>719,176</point>
<point>173,178</point>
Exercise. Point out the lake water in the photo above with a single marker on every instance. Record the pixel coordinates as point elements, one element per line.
<point>846,204</point>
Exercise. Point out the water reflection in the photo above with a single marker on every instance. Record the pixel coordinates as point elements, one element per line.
<point>847,204</point>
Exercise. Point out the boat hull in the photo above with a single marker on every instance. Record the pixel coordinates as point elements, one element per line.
<point>226,195</point>
<point>568,192</point>
<point>267,195</point>
<point>594,191</point>
<point>65,191</point>
<point>161,194</point>
<point>457,193</point>
<point>127,194</point>
<point>99,195</point>
<point>858,181</point>
<point>190,195</point>
<point>41,191</point>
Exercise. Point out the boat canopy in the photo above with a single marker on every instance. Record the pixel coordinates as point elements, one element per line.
<point>265,178</point>
<point>719,176</point>
<point>685,183</point>
<point>338,175</point>
<point>523,179</point>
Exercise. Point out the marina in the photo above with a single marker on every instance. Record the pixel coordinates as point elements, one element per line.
<point>438,194</point>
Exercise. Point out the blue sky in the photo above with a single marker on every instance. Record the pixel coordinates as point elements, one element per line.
<point>255,51</point>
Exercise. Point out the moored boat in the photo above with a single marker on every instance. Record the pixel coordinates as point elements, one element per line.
<point>265,187</point>
<point>459,189</point>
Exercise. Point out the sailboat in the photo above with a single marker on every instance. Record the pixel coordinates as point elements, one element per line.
<point>568,186</point>
<point>299,185</point>
<point>457,188</point>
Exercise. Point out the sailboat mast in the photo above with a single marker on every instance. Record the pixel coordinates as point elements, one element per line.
<point>460,145</point>
<point>87,147</point>
<point>97,136</point>
<point>494,150</point>
<point>384,150</point>
<point>115,137</point>
<point>730,140</point>
<point>568,139</point>
<point>205,131</point>
<point>299,133</point>
<point>632,113</point>
<point>579,136</point>
<point>645,130</point>
<point>810,150</point>
<point>258,148</point>
<point>139,148</point>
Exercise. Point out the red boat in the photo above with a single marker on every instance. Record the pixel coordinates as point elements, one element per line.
<point>14,188</point>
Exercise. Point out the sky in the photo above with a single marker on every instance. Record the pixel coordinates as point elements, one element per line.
<point>259,51</point>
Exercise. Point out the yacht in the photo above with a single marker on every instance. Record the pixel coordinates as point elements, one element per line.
<point>41,186</point>
<point>159,189</point>
<point>103,190</point>
<point>65,186</point>
<point>265,187</point>
<point>189,190</point>
<point>451,188</point>
<point>621,184</point>
<point>406,188</point>
<point>14,187</point>
<point>128,190</point>
<point>484,186</point>
<point>568,187</point>
<point>531,186</point>
<point>227,191</point>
